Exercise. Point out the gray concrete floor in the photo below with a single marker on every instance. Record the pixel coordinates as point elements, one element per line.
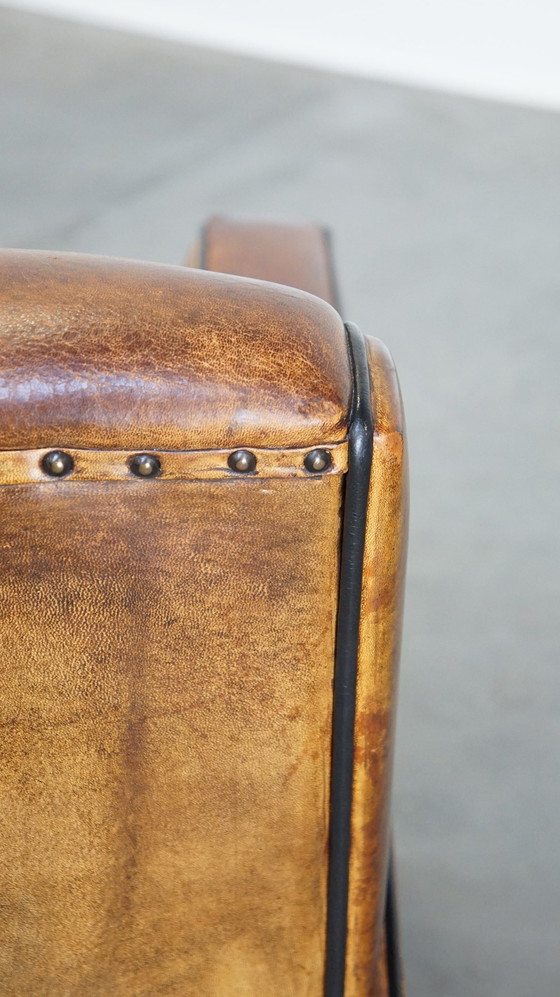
<point>446,215</point>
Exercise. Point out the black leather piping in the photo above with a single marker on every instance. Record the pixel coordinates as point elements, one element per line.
<point>360,452</point>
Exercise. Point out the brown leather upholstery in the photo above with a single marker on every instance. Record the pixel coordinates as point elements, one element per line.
<point>166,688</point>
<point>300,254</point>
<point>378,659</point>
<point>165,714</point>
<point>119,354</point>
<point>166,684</point>
<point>295,255</point>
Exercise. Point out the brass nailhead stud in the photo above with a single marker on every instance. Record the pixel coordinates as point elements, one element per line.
<point>57,463</point>
<point>317,461</point>
<point>145,465</point>
<point>242,461</point>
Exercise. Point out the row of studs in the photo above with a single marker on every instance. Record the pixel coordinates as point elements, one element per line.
<point>59,464</point>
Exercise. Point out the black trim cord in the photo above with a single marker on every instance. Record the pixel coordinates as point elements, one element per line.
<point>394,967</point>
<point>360,439</point>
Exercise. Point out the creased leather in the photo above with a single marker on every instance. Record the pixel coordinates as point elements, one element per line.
<point>166,683</point>
<point>376,690</point>
<point>300,254</point>
<point>120,354</point>
<point>165,713</point>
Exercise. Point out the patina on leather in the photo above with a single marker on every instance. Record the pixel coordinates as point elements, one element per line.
<point>115,353</point>
<point>300,254</point>
<point>166,684</point>
<point>165,730</point>
<point>165,690</point>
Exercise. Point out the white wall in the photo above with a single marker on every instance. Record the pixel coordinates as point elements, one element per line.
<point>508,49</point>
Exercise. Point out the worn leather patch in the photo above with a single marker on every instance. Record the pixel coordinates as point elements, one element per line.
<point>165,698</point>
<point>117,354</point>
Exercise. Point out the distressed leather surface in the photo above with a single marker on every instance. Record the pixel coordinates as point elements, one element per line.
<point>165,698</point>
<point>166,682</point>
<point>120,354</point>
<point>165,689</point>
<point>376,691</point>
<point>20,467</point>
<point>300,254</point>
